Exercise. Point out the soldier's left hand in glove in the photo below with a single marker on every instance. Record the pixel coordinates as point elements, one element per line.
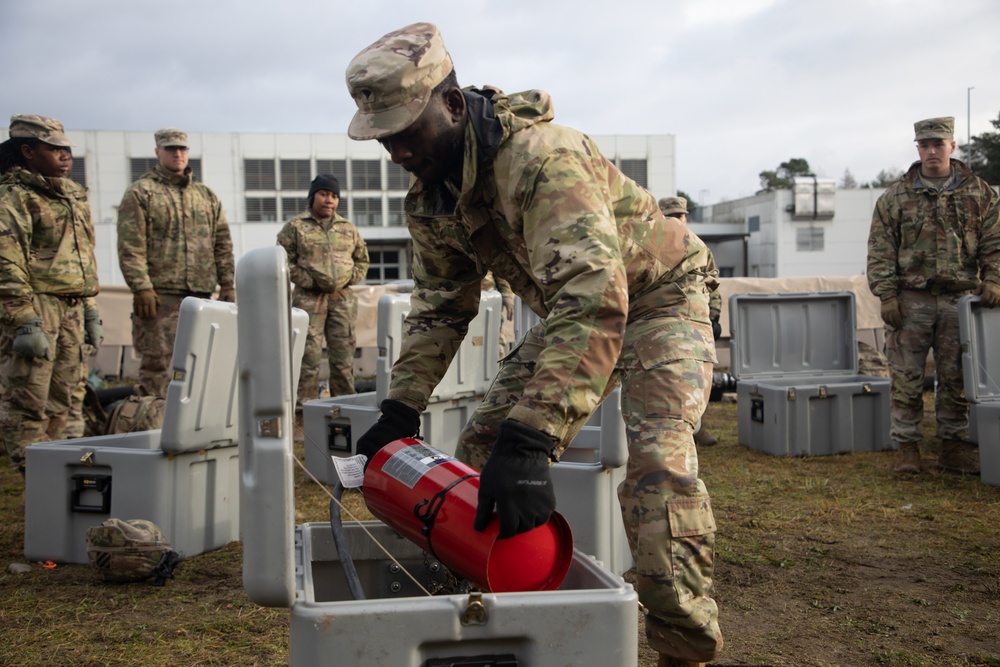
<point>716,328</point>
<point>30,341</point>
<point>990,293</point>
<point>516,480</point>
<point>93,327</point>
<point>228,294</point>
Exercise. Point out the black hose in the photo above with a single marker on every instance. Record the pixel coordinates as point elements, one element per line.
<point>340,541</point>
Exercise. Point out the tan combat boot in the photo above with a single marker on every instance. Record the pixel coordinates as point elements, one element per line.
<point>958,456</point>
<point>667,661</point>
<point>907,458</point>
<point>704,439</point>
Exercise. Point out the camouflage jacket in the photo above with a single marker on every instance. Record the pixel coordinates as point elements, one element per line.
<point>46,242</point>
<point>173,236</point>
<point>324,255</point>
<point>922,238</point>
<point>714,298</point>
<point>586,248</point>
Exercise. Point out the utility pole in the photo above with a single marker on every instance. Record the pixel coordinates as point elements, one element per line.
<point>968,121</point>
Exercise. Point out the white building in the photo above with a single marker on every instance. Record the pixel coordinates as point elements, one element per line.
<point>813,229</point>
<point>263,179</point>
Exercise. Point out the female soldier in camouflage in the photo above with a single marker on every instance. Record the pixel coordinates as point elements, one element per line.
<point>326,255</point>
<point>47,275</point>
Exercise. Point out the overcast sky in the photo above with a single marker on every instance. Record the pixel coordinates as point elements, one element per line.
<point>743,85</point>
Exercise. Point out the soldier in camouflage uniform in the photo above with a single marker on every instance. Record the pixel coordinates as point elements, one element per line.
<point>933,238</point>
<point>326,255</point>
<point>47,274</point>
<point>173,242</point>
<point>677,207</point>
<point>621,289</point>
<point>490,282</point>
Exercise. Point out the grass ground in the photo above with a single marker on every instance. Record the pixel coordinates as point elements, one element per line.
<point>820,561</point>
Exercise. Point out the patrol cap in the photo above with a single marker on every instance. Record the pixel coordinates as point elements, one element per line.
<point>171,136</point>
<point>935,128</point>
<point>391,80</point>
<point>673,205</point>
<point>30,126</point>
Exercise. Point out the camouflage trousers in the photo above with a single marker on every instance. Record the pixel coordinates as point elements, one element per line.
<point>665,506</point>
<point>154,343</point>
<point>70,423</point>
<point>929,322</point>
<point>39,388</point>
<point>332,316</point>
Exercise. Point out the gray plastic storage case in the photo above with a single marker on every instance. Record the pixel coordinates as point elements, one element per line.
<point>591,621</point>
<point>977,326</point>
<point>794,356</point>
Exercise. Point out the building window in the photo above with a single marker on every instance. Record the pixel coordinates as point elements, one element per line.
<point>753,223</point>
<point>140,165</point>
<point>809,239</point>
<point>292,206</point>
<point>397,178</point>
<point>727,271</point>
<point>295,175</point>
<point>259,174</point>
<point>385,265</point>
<point>335,168</point>
<point>634,169</point>
<point>78,172</point>
<point>396,216</point>
<point>367,211</point>
<point>366,175</point>
<point>262,209</point>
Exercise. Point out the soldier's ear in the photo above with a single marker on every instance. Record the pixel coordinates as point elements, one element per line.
<point>454,104</point>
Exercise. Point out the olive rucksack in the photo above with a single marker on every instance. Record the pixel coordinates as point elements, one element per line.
<point>136,413</point>
<point>129,551</point>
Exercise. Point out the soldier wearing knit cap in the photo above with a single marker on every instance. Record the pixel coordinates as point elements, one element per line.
<point>621,290</point>
<point>934,237</point>
<point>173,242</point>
<point>326,255</point>
<point>48,278</point>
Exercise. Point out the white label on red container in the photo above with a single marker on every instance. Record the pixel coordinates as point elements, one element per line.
<point>411,463</point>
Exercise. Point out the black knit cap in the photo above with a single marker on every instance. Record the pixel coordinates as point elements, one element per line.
<point>324,182</point>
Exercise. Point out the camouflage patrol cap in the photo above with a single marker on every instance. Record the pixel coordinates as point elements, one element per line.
<point>673,205</point>
<point>935,128</point>
<point>171,136</point>
<point>30,126</point>
<point>391,80</point>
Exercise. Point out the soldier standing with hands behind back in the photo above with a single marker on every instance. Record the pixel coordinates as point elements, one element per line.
<point>173,242</point>
<point>934,237</point>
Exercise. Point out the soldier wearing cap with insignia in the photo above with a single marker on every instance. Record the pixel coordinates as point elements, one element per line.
<point>48,278</point>
<point>173,242</point>
<point>621,290</point>
<point>677,207</point>
<point>934,237</point>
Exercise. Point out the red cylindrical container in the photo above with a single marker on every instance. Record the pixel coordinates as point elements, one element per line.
<point>430,498</point>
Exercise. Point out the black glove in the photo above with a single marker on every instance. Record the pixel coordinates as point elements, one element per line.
<point>716,328</point>
<point>397,421</point>
<point>30,341</point>
<point>93,329</point>
<point>516,480</point>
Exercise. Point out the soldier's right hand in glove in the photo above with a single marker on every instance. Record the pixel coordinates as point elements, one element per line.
<point>990,293</point>
<point>516,480</point>
<point>145,303</point>
<point>30,342</point>
<point>398,420</point>
<point>890,313</point>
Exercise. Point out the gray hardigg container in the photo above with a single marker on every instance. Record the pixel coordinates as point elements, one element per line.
<point>798,390</point>
<point>183,477</point>
<point>977,326</point>
<point>591,621</point>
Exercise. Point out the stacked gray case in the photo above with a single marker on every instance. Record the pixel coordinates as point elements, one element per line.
<point>977,326</point>
<point>298,567</point>
<point>794,356</point>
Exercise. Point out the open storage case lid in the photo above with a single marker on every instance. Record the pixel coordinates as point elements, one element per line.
<point>792,334</point>
<point>271,333</point>
<point>977,326</point>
